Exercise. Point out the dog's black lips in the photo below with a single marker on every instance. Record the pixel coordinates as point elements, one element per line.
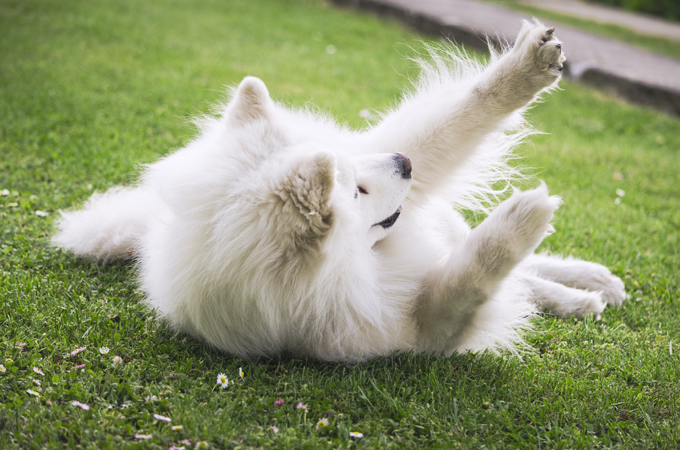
<point>390,220</point>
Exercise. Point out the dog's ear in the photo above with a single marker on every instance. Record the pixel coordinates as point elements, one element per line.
<point>307,190</point>
<point>251,101</point>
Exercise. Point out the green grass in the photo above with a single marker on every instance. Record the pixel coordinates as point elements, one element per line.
<point>655,44</point>
<point>91,90</point>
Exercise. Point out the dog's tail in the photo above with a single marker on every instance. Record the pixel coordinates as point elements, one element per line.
<point>109,224</point>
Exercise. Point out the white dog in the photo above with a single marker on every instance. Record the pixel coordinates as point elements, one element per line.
<point>276,230</point>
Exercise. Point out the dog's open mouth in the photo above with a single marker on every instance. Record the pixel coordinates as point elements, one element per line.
<point>390,220</point>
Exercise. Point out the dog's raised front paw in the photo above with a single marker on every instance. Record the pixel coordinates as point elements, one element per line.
<point>540,50</point>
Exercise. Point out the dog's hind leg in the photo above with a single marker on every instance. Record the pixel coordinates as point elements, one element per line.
<point>577,274</point>
<point>560,300</point>
<point>474,273</point>
<point>448,117</point>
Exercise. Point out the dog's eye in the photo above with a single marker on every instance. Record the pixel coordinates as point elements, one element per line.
<point>362,190</point>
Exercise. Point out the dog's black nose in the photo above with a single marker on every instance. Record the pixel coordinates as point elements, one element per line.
<point>405,165</point>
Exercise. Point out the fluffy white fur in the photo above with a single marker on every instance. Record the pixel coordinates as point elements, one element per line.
<point>264,234</point>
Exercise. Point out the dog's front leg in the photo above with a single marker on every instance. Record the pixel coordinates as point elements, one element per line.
<point>442,124</point>
<point>471,275</point>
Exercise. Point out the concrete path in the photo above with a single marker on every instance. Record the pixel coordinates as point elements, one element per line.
<point>643,24</point>
<point>628,72</point>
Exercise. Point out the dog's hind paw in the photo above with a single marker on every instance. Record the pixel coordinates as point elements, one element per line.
<point>610,286</point>
<point>585,304</point>
<point>597,278</point>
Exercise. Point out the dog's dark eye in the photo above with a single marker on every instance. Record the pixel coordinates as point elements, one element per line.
<point>362,190</point>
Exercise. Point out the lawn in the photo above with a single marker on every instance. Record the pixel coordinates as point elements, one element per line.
<point>89,91</point>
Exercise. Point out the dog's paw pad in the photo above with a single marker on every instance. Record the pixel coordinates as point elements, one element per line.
<point>550,54</point>
<point>539,47</point>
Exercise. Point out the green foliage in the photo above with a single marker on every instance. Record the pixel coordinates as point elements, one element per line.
<point>91,90</point>
<point>670,9</point>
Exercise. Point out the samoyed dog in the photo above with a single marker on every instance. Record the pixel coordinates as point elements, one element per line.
<point>278,230</point>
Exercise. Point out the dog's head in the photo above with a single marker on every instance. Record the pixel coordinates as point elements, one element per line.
<point>307,188</point>
<point>360,195</point>
<point>380,182</point>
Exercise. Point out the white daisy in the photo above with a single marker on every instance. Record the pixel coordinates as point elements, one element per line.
<point>78,350</point>
<point>223,380</point>
<point>162,418</point>
<point>103,350</point>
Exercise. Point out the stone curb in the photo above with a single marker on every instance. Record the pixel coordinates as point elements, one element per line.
<point>635,91</point>
<point>419,22</point>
